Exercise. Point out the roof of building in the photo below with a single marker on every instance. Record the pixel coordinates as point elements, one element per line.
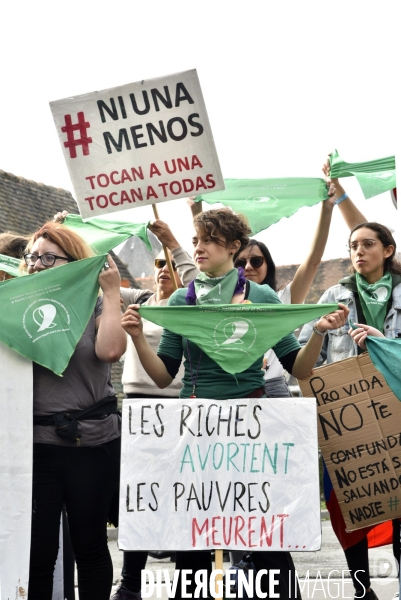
<point>26,205</point>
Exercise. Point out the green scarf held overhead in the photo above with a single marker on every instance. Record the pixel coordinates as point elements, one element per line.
<point>266,201</point>
<point>10,265</point>
<point>235,335</point>
<point>102,235</point>
<point>386,356</point>
<point>218,290</point>
<point>44,315</point>
<point>374,298</point>
<point>374,176</point>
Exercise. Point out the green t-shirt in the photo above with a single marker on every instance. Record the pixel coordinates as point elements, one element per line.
<point>212,381</point>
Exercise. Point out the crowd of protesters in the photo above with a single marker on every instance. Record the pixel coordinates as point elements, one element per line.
<point>227,267</point>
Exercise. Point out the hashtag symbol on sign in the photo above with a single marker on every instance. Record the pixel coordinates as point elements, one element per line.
<point>393,503</point>
<point>72,142</point>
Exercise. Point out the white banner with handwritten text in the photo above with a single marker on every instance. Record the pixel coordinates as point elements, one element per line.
<point>200,474</point>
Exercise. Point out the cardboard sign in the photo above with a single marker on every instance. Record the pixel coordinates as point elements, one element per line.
<point>15,473</point>
<point>359,424</point>
<point>138,144</point>
<point>200,474</point>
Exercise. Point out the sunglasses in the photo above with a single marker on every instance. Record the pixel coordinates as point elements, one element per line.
<point>256,262</point>
<point>161,262</point>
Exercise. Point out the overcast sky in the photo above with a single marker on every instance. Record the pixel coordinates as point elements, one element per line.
<point>284,83</point>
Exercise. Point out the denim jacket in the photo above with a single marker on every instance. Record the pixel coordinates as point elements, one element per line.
<point>337,344</point>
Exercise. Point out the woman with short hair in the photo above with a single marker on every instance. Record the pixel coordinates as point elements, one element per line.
<point>220,236</point>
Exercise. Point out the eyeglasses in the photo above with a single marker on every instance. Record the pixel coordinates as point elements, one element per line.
<point>161,262</point>
<point>365,244</point>
<point>47,259</point>
<point>256,262</point>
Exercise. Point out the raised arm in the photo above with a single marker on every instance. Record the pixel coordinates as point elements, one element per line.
<point>185,265</point>
<point>306,271</point>
<point>195,207</point>
<point>111,340</point>
<point>132,323</point>
<point>164,234</point>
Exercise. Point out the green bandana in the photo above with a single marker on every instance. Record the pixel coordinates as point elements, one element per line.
<point>215,290</point>
<point>10,265</point>
<point>102,235</point>
<point>44,315</point>
<point>374,176</point>
<point>235,335</point>
<point>266,201</point>
<point>374,298</point>
<point>386,357</point>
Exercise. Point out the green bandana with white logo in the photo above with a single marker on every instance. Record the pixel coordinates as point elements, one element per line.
<point>374,298</point>
<point>235,335</point>
<point>44,315</point>
<point>215,290</point>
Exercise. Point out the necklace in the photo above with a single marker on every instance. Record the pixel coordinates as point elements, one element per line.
<point>193,377</point>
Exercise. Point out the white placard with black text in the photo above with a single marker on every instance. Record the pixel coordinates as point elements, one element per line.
<point>200,474</point>
<point>138,144</point>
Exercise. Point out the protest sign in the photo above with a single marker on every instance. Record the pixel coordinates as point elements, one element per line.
<point>201,474</point>
<point>138,144</point>
<point>15,473</point>
<point>359,424</point>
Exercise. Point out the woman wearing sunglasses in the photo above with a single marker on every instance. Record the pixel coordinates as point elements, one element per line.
<point>136,382</point>
<point>220,236</point>
<point>260,268</point>
<point>84,473</point>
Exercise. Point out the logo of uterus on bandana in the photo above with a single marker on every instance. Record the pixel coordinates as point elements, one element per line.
<point>235,333</point>
<point>45,316</point>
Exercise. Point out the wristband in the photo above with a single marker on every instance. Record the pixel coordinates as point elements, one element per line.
<point>315,330</point>
<point>341,198</point>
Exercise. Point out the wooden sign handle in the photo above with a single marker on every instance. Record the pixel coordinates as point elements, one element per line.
<point>166,254</point>
<point>218,560</point>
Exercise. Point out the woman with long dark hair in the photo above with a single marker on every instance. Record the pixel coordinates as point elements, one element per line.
<point>373,295</point>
